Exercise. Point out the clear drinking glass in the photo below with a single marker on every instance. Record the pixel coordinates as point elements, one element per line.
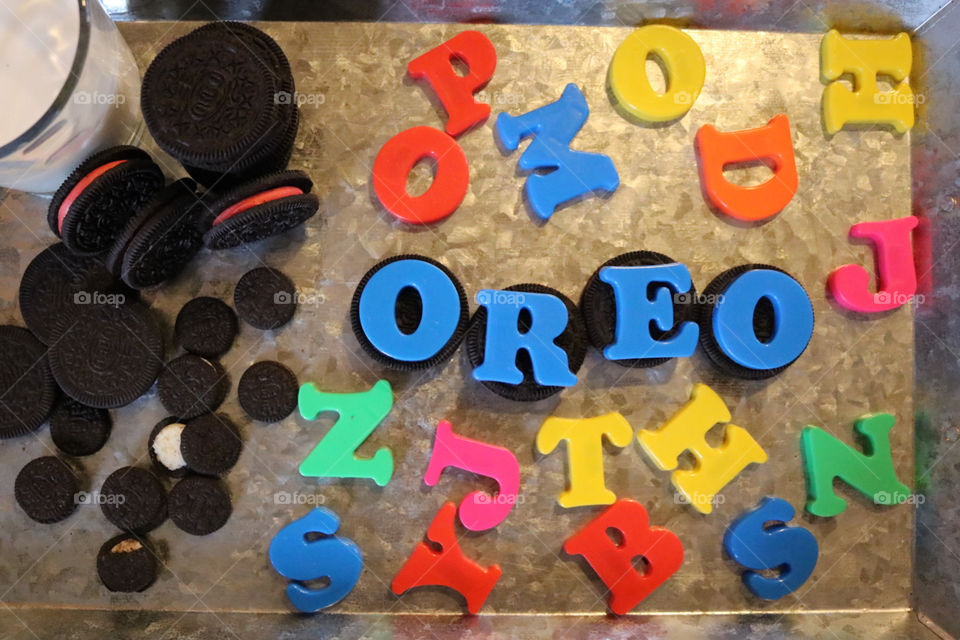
<point>70,86</point>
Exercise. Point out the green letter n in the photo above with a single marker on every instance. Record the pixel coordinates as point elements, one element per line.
<point>872,473</point>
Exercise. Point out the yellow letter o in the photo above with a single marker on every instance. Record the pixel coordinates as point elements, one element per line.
<point>685,71</point>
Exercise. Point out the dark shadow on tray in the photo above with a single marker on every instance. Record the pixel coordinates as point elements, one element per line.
<point>708,373</point>
<point>607,374</point>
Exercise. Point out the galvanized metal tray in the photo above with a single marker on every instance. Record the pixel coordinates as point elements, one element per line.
<point>355,96</point>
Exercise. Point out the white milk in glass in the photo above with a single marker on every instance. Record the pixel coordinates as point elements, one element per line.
<point>39,40</point>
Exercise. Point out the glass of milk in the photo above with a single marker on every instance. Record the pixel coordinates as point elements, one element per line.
<point>70,87</point>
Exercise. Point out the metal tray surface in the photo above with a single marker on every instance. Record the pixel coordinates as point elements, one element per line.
<point>352,80</point>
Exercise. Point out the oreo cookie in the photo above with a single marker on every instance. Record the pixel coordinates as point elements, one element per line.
<point>573,342</point>
<point>262,45</point>
<point>163,447</point>
<point>126,564</point>
<point>273,162</point>
<point>100,196</point>
<point>79,430</point>
<point>259,209</point>
<point>408,311</point>
<point>220,100</point>
<point>206,326</point>
<point>133,499</point>
<point>599,307</point>
<point>210,444</point>
<point>27,388</point>
<point>764,324</point>
<point>265,298</point>
<point>107,356</point>
<point>190,386</point>
<point>56,280</point>
<point>276,152</point>
<point>199,505</point>
<point>268,391</point>
<point>46,489</point>
<point>161,239</point>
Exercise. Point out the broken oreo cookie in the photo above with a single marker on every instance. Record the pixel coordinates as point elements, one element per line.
<point>126,564</point>
<point>163,447</point>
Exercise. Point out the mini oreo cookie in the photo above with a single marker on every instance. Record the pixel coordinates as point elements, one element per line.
<point>100,196</point>
<point>161,240</point>
<point>190,386</point>
<point>56,280</point>
<point>408,312</point>
<point>107,356</point>
<point>210,444</point>
<point>163,447</point>
<point>573,342</point>
<point>27,388</point>
<point>259,209</point>
<point>764,324</point>
<point>79,430</point>
<point>133,499</point>
<point>199,505</point>
<point>206,326</point>
<point>265,298</point>
<point>268,391</point>
<point>599,306</point>
<point>46,489</point>
<point>126,564</point>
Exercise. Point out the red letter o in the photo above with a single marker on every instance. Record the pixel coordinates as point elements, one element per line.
<point>397,158</point>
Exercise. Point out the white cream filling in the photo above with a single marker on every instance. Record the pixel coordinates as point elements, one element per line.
<point>166,446</point>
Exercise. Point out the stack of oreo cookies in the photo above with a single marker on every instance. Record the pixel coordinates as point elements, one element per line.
<point>221,101</point>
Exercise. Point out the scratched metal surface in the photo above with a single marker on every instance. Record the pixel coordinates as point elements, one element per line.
<point>356,75</point>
